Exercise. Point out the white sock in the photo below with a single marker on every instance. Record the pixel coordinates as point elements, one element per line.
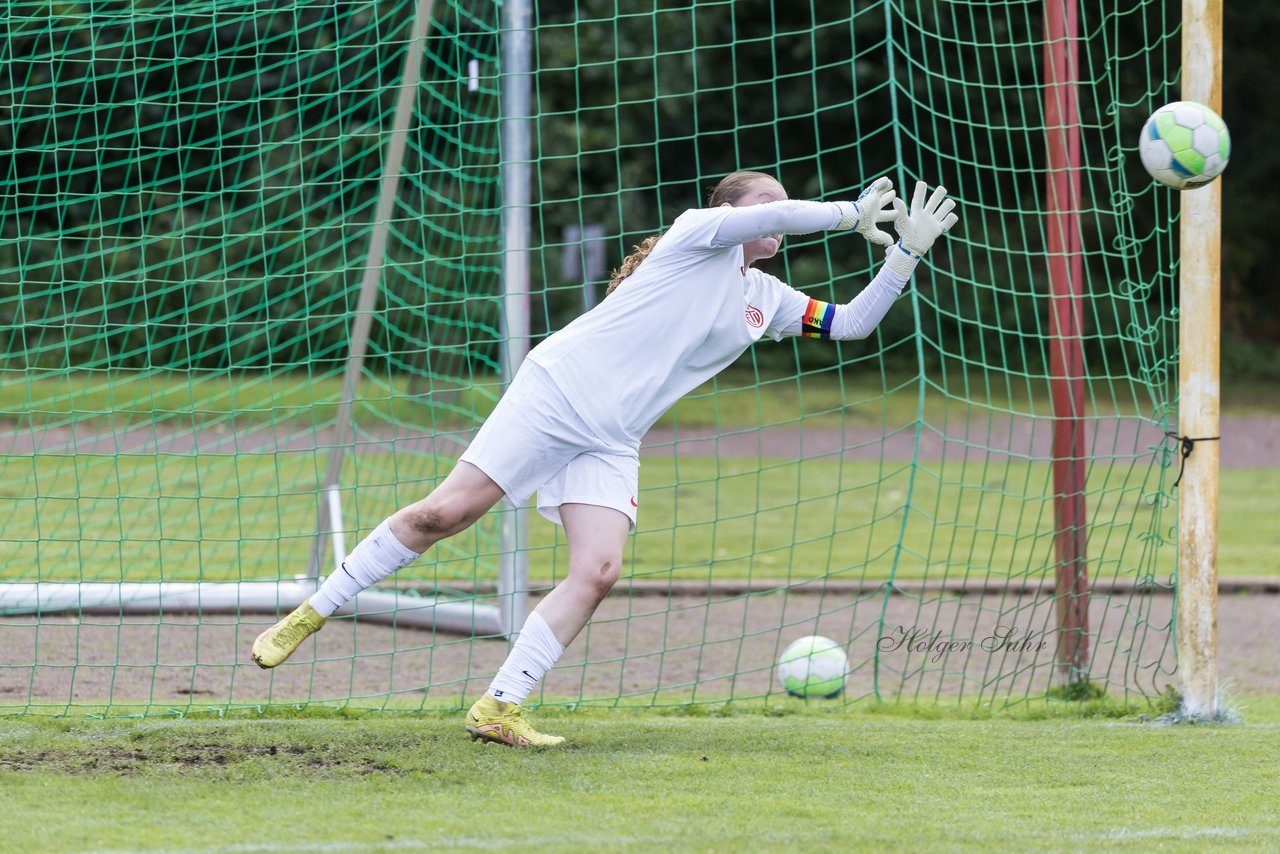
<point>377,556</point>
<point>535,652</point>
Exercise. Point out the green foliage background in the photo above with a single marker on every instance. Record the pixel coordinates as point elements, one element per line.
<point>194,186</point>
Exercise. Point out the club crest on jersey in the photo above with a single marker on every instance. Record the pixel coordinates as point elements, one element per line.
<point>755,317</point>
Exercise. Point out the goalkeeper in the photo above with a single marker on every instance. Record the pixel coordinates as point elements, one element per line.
<point>680,309</point>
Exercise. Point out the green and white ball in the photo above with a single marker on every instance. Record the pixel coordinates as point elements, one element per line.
<point>813,667</point>
<point>1184,145</point>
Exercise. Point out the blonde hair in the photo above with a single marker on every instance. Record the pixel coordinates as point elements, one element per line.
<point>731,188</point>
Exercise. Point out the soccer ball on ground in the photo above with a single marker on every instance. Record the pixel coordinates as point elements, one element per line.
<point>1184,145</point>
<point>813,667</point>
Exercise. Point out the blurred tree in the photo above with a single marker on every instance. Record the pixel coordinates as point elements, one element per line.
<point>640,107</point>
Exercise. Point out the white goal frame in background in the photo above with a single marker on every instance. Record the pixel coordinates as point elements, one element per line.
<point>465,616</point>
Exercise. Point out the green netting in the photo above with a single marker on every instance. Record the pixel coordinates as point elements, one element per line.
<point>188,197</point>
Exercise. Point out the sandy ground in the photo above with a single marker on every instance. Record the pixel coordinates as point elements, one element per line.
<point>681,648</point>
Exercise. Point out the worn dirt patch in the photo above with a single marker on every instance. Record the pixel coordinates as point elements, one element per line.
<point>118,761</point>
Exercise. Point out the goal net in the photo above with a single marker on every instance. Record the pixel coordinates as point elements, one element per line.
<point>203,400</point>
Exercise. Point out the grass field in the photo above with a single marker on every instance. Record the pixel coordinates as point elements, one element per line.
<point>707,778</point>
<point>178,516</point>
<point>735,397</point>
<point>784,778</point>
<point>250,516</point>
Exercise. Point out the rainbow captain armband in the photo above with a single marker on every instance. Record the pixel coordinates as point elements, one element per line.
<point>817,320</point>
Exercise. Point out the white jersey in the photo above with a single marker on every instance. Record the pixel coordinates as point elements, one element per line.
<point>686,313</point>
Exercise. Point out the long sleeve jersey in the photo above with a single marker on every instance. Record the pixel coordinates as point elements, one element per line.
<point>689,310</point>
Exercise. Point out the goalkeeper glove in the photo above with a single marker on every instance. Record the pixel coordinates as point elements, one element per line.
<point>868,211</point>
<point>920,227</point>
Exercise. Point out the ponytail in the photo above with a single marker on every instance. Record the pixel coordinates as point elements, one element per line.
<point>639,252</point>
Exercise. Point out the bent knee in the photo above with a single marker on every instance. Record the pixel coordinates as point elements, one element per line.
<point>599,575</point>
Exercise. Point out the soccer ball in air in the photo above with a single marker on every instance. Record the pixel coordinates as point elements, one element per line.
<point>1184,145</point>
<point>813,667</point>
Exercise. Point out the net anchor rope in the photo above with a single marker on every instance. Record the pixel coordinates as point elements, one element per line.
<point>1187,445</point>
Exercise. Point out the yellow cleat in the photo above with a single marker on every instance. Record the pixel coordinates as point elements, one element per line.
<point>278,642</point>
<point>493,720</point>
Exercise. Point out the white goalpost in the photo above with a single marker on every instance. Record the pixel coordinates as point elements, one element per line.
<point>1198,388</point>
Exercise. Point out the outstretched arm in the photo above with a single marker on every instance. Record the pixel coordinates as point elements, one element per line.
<point>855,319</point>
<point>752,222</point>
<point>918,228</point>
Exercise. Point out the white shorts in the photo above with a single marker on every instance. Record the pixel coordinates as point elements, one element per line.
<point>535,441</point>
